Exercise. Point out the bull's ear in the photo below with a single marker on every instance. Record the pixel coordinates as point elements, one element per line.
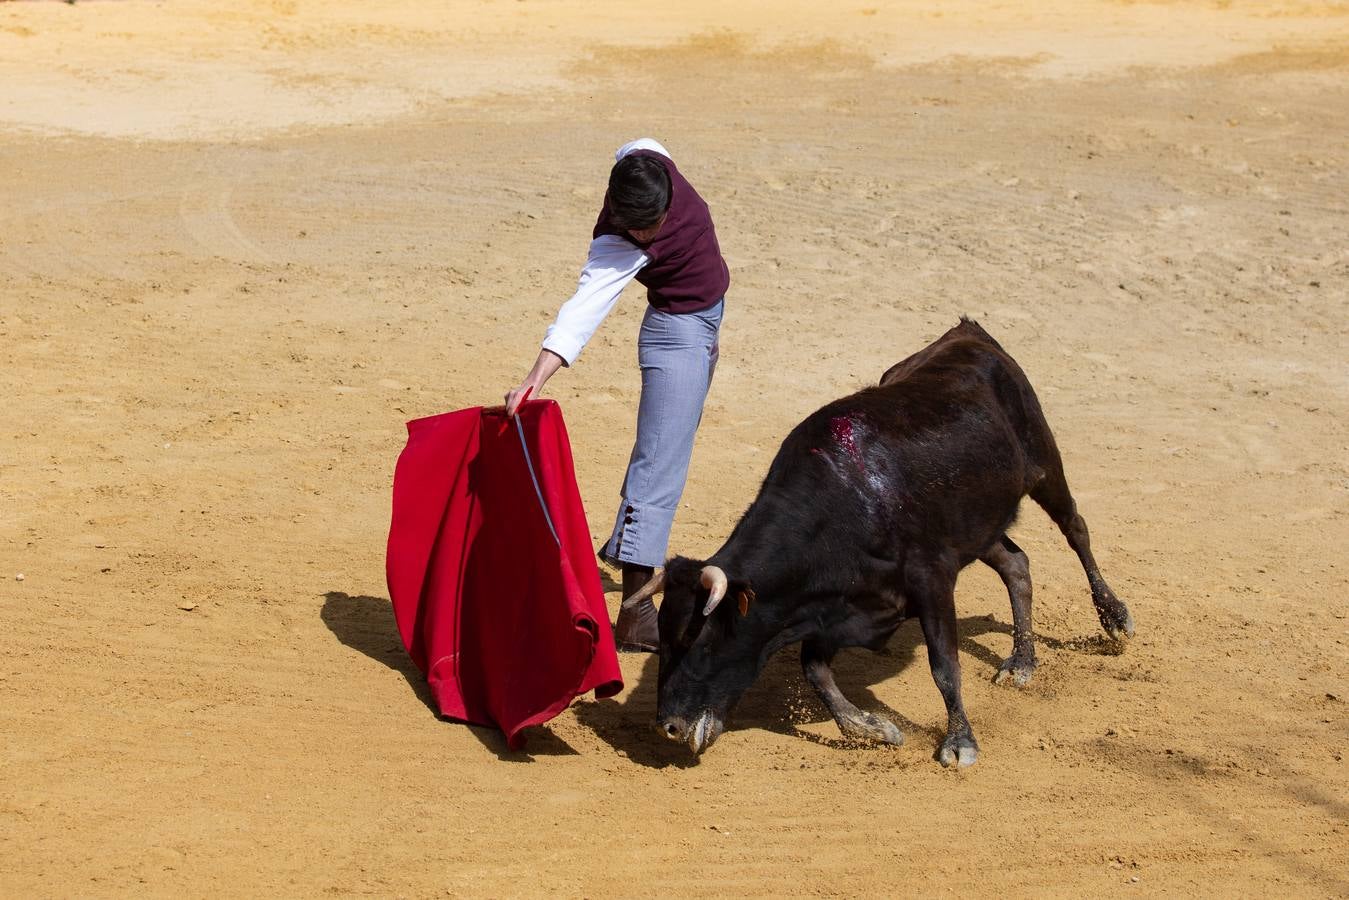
<point>745,596</point>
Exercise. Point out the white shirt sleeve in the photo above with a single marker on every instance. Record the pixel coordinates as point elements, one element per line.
<point>612,263</point>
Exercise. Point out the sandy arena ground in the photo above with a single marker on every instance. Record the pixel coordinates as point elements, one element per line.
<point>241,243</point>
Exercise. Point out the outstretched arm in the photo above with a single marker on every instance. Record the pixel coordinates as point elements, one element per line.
<point>612,263</point>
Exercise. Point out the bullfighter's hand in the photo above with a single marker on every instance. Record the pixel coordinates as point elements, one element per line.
<point>544,367</point>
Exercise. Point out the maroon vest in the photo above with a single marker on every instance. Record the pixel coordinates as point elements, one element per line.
<point>686,272</point>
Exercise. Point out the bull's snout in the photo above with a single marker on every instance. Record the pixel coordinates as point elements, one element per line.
<point>699,735</point>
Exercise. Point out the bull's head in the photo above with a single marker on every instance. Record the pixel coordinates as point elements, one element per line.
<point>710,649</point>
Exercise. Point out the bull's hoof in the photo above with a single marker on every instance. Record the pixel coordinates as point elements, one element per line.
<point>958,751</point>
<point>871,727</point>
<point>1114,615</point>
<point>1016,671</point>
<point>1118,623</point>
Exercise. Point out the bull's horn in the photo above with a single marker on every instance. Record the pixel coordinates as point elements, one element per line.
<point>716,583</point>
<point>654,586</point>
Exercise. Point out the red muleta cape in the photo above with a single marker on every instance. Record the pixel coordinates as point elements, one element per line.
<point>493,579</point>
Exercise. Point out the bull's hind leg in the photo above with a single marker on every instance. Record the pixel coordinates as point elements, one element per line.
<point>1053,495</point>
<point>853,722</point>
<point>1012,565</point>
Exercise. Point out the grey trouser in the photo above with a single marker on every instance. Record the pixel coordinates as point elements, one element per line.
<point>677,354</point>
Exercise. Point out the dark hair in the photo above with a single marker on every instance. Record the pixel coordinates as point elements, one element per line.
<point>639,192</point>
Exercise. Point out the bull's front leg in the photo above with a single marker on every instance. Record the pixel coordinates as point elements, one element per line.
<point>932,585</point>
<point>853,722</point>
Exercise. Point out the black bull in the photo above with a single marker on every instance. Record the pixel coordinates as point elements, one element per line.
<point>870,509</point>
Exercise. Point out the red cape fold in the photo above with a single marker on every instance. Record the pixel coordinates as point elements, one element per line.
<point>507,622</point>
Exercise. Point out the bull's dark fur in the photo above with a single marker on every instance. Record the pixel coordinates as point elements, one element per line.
<point>870,509</point>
